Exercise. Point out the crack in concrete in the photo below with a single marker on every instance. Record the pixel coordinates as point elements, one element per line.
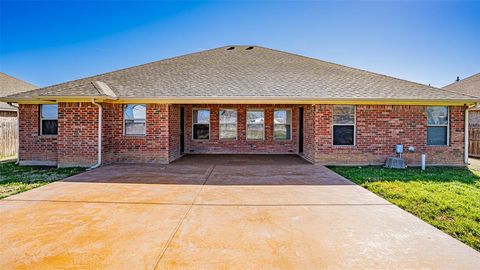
<point>159,258</point>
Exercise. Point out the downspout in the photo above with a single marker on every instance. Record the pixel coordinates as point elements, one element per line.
<point>18,131</point>
<point>99,152</point>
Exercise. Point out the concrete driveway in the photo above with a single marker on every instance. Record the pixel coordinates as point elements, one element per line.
<point>218,212</point>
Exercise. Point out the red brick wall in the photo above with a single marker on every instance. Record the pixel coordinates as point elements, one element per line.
<point>77,138</point>
<point>173,132</point>
<point>309,133</point>
<point>35,149</point>
<point>380,128</point>
<point>153,147</point>
<point>241,145</point>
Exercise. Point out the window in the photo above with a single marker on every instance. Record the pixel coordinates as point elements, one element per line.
<point>437,125</point>
<point>228,124</point>
<point>282,124</point>
<point>201,124</point>
<point>343,125</point>
<point>135,116</point>
<point>49,119</point>
<point>255,125</point>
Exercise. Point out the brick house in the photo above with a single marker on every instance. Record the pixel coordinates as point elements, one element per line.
<point>8,113</point>
<point>470,86</point>
<point>240,99</point>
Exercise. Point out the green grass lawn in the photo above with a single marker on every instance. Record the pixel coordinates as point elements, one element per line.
<point>447,198</point>
<point>15,179</point>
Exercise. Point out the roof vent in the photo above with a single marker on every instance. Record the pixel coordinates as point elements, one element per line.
<point>249,48</point>
<point>230,48</point>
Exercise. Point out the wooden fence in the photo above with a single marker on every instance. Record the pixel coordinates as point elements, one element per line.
<point>474,142</point>
<point>8,136</point>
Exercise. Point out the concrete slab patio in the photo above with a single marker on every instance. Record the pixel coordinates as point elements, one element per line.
<point>218,212</point>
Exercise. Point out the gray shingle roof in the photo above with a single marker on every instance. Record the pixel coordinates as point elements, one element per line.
<point>10,85</point>
<point>469,86</point>
<point>243,73</point>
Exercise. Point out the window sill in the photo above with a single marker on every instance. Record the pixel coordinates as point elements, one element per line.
<point>135,136</point>
<point>48,136</point>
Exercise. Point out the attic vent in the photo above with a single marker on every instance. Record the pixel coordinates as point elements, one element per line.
<point>249,48</point>
<point>230,48</point>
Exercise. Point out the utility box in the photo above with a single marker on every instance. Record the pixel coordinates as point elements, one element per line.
<point>395,163</point>
<point>399,149</point>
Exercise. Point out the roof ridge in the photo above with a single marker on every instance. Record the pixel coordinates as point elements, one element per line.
<point>20,80</point>
<point>467,78</point>
<point>458,93</point>
<point>123,69</point>
<point>220,72</point>
<point>37,89</point>
<point>363,70</point>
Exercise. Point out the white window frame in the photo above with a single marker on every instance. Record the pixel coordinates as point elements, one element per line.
<point>209,123</point>
<point>447,126</point>
<point>290,124</point>
<point>220,125</point>
<point>124,120</point>
<point>354,127</point>
<point>246,124</point>
<point>41,120</point>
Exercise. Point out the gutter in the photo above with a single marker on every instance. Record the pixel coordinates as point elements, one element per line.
<point>108,96</point>
<point>99,152</point>
<point>18,132</point>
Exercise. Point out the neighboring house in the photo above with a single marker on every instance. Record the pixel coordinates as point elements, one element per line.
<point>470,86</point>
<point>8,113</point>
<point>240,99</point>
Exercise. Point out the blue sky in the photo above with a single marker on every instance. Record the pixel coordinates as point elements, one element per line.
<point>50,42</point>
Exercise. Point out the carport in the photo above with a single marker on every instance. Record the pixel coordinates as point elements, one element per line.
<point>214,212</point>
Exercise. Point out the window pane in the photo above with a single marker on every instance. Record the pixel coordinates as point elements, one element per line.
<point>343,135</point>
<point>228,117</point>
<point>228,131</point>
<point>135,127</point>
<point>255,131</point>
<point>49,127</point>
<point>201,116</point>
<point>255,117</point>
<point>344,109</point>
<point>437,136</point>
<point>49,111</point>
<point>282,117</point>
<point>282,132</point>
<point>135,111</point>
<point>344,119</point>
<point>201,131</point>
<point>344,114</point>
<point>437,115</point>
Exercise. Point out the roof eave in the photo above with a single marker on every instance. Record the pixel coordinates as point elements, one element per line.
<point>243,100</point>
